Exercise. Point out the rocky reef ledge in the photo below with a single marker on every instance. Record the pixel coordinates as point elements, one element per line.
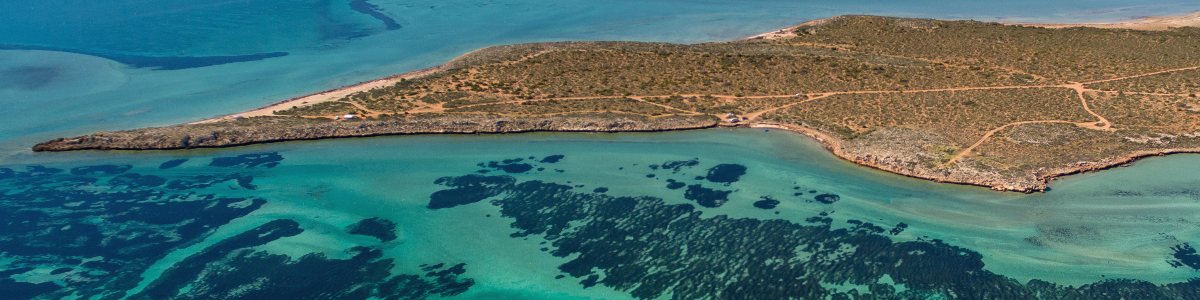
<point>277,129</point>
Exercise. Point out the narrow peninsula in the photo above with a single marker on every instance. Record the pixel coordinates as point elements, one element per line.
<point>1004,106</point>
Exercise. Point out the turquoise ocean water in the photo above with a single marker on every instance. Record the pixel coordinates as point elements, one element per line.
<point>732,214</point>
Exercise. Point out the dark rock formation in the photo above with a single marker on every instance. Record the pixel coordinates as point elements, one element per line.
<point>276,129</point>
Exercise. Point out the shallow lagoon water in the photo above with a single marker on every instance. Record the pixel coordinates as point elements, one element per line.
<point>1118,223</point>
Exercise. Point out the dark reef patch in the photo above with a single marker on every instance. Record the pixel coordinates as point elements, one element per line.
<point>232,269</point>
<point>244,181</point>
<point>726,173</point>
<point>866,226</point>
<point>15,290</point>
<point>1185,255</point>
<point>827,198</point>
<point>766,203</point>
<point>428,268</point>
<point>1123,193</point>
<point>29,78</point>
<point>172,163</point>
<point>100,170</point>
<point>467,189</point>
<point>822,219</point>
<point>706,197</point>
<point>509,165</point>
<point>373,10</point>
<point>167,286</point>
<point>11,272</point>
<point>158,62</point>
<point>675,166</point>
<point>516,168</point>
<point>553,158</point>
<point>39,171</point>
<point>267,160</point>
<point>898,229</point>
<point>381,229</point>
<point>649,249</point>
<point>600,190</point>
<point>1192,193</point>
<point>134,180</point>
<point>675,185</point>
<point>122,225</point>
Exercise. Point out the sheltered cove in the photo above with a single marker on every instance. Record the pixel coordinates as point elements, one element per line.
<point>1004,106</point>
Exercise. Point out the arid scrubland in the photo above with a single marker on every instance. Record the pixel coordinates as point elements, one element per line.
<point>1183,82</point>
<point>960,101</point>
<point>1077,54</point>
<point>963,117</point>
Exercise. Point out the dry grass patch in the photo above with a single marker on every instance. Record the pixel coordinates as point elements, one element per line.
<point>615,73</point>
<point>1068,54</point>
<point>557,106</point>
<point>1185,82</point>
<point>1042,148</point>
<point>320,109</point>
<point>962,116</point>
<point>1166,114</point>
<point>720,105</point>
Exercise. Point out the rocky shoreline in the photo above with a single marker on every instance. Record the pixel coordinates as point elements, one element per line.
<point>279,129</point>
<point>1037,181</point>
<point>894,164</point>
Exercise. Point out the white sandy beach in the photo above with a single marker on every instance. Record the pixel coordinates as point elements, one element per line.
<point>1147,23</point>
<point>330,95</point>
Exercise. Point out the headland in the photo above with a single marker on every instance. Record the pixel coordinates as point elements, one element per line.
<point>1007,106</point>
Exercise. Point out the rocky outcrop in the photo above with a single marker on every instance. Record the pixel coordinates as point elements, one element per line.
<point>276,129</point>
<point>923,154</point>
<point>920,154</point>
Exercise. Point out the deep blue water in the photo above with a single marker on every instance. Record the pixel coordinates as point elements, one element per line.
<point>530,216</point>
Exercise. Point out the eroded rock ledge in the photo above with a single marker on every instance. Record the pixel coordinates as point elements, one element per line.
<point>914,153</point>
<point>276,129</point>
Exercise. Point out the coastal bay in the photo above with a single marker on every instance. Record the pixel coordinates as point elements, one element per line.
<point>631,203</point>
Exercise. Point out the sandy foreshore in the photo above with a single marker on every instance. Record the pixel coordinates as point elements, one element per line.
<point>786,32</point>
<point>1146,23</point>
<point>330,95</point>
